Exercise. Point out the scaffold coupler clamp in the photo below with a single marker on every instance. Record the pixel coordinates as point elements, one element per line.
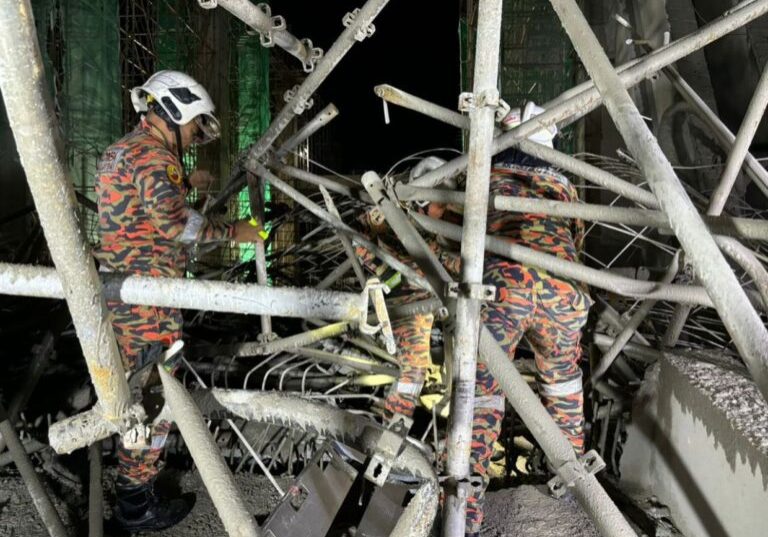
<point>387,449</point>
<point>375,289</point>
<point>314,55</point>
<point>208,4</point>
<point>572,471</point>
<point>277,23</point>
<point>474,291</point>
<point>301,105</point>
<point>487,98</point>
<point>365,31</point>
<point>463,488</point>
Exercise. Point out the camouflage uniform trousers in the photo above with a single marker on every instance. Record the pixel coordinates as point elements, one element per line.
<point>136,328</point>
<point>412,336</point>
<point>550,313</point>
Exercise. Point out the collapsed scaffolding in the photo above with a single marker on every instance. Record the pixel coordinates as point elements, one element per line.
<point>705,243</point>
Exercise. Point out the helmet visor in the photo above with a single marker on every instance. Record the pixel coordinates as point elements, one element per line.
<point>208,129</point>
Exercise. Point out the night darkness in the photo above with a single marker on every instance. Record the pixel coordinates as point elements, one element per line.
<point>415,48</point>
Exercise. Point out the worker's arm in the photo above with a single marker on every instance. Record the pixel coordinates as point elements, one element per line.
<point>162,193</point>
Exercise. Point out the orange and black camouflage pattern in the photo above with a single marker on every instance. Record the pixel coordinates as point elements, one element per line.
<point>548,310</point>
<point>143,218</point>
<point>412,335</point>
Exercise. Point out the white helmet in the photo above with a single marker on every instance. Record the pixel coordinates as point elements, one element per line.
<point>182,98</point>
<point>516,116</point>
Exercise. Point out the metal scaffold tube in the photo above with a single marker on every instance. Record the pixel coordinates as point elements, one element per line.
<point>482,115</point>
<point>95,492</point>
<point>741,146</point>
<point>584,98</point>
<point>740,318</point>
<point>744,228</point>
<point>23,84</point>
<point>359,26</point>
<point>588,491</point>
<point>40,499</point>
<point>601,279</point>
<point>583,169</point>
<point>216,476</point>
<point>271,28</point>
<point>42,282</point>
<point>325,116</point>
<point>411,275</point>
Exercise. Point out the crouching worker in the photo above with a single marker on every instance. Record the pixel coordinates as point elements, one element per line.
<point>145,227</point>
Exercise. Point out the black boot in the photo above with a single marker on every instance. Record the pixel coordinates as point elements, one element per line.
<point>138,509</point>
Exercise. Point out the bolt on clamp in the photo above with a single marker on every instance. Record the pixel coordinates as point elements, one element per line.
<point>475,291</point>
<point>488,98</point>
<point>364,31</point>
<point>570,472</point>
<point>375,289</point>
<point>208,4</point>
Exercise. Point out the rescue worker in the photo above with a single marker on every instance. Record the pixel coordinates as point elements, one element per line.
<point>145,226</point>
<point>548,310</point>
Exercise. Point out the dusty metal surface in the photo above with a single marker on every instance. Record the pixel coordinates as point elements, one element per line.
<point>337,380</point>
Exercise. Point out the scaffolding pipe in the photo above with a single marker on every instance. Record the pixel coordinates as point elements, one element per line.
<point>272,30</point>
<point>40,499</point>
<point>325,116</point>
<point>583,169</point>
<point>754,169</point>
<point>588,491</point>
<point>568,269</point>
<point>411,275</point>
<point>346,244</point>
<point>318,180</point>
<point>584,98</point>
<point>630,327</point>
<point>43,282</point>
<point>335,275</point>
<point>24,89</point>
<point>256,194</point>
<point>286,344</point>
<point>95,492</point>
<point>359,25</point>
<point>353,362</point>
<point>41,355</point>
<point>744,228</point>
<point>295,412</point>
<point>741,145</point>
<point>633,350</point>
<point>217,478</point>
<point>745,258</point>
<point>414,244</point>
<point>481,119</point>
<point>740,318</point>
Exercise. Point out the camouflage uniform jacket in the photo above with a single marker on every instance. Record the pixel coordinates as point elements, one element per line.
<point>145,223</point>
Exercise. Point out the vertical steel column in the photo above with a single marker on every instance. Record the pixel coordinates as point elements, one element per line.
<point>482,116</point>
<point>741,320</point>
<point>22,80</point>
<point>256,193</point>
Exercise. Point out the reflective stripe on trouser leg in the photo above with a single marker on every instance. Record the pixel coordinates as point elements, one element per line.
<point>555,336</point>
<point>412,339</point>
